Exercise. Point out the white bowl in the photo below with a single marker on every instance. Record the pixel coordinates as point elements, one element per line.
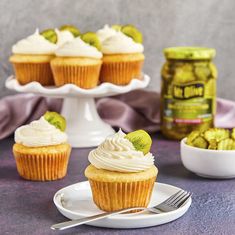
<point>208,163</point>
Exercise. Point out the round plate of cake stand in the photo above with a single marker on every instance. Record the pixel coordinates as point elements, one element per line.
<point>84,126</point>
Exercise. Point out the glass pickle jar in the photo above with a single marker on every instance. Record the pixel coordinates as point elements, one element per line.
<point>188,91</point>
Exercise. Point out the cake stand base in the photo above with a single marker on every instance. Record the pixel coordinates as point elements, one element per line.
<point>84,126</point>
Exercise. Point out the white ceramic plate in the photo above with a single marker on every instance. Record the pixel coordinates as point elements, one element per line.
<point>75,201</point>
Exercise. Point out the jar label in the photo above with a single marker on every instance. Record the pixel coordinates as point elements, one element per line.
<point>188,91</point>
<point>189,104</point>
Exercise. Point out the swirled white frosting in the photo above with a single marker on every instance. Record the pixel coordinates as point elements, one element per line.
<point>117,153</point>
<point>63,37</point>
<point>39,133</point>
<point>78,48</point>
<point>121,44</point>
<point>105,33</point>
<point>35,44</point>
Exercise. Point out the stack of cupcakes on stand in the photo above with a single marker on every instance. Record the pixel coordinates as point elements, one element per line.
<point>65,56</point>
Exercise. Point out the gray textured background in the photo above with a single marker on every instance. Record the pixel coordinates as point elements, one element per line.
<point>164,23</point>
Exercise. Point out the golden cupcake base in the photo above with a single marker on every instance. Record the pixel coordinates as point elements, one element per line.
<point>33,68</point>
<point>42,163</point>
<point>111,196</point>
<point>83,72</point>
<point>121,69</point>
<point>116,190</point>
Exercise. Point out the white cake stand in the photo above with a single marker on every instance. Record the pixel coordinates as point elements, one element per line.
<point>84,126</point>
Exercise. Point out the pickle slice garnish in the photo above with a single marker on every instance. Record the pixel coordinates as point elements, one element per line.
<point>92,39</point>
<point>116,27</point>
<point>72,29</point>
<point>50,35</point>
<point>141,140</point>
<point>133,32</point>
<point>56,120</point>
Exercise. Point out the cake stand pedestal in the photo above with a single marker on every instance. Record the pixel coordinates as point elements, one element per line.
<point>84,126</point>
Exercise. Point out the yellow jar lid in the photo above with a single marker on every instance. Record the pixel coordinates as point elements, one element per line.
<point>189,53</point>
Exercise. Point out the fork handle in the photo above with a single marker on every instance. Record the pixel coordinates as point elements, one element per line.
<point>77,222</point>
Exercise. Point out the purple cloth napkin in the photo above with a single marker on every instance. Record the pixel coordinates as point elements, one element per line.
<point>131,111</point>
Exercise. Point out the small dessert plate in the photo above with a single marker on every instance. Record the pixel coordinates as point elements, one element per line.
<point>75,202</point>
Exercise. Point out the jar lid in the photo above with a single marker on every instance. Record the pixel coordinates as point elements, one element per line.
<point>189,53</point>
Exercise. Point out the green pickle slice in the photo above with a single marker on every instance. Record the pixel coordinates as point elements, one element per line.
<point>56,120</point>
<point>212,144</point>
<point>233,133</point>
<point>116,27</point>
<point>217,134</point>
<point>192,136</point>
<point>72,29</point>
<point>200,142</point>
<point>226,144</point>
<point>202,73</point>
<point>92,39</point>
<point>50,35</point>
<point>133,32</point>
<point>213,138</point>
<point>141,140</point>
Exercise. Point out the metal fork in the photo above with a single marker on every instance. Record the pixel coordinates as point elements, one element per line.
<point>170,204</point>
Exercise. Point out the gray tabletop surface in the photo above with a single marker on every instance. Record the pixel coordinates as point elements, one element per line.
<point>27,207</point>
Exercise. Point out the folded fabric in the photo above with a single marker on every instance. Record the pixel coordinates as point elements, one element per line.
<point>131,111</point>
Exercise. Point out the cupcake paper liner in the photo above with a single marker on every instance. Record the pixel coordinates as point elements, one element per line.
<point>42,166</point>
<point>111,196</point>
<point>81,75</point>
<point>121,73</point>
<point>30,72</point>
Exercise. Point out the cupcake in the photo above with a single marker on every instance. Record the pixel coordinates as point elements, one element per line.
<point>78,62</point>
<point>31,59</point>
<point>122,56</point>
<point>41,150</point>
<point>122,171</point>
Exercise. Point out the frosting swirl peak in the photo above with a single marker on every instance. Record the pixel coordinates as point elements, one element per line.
<point>105,33</point>
<point>63,36</point>
<point>117,153</point>
<point>35,44</point>
<point>78,48</point>
<point>121,44</point>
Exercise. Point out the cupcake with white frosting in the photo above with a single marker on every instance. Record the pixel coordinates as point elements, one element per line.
<point>41,149</point>
<point>78,62</point>
<point>122,171</point>
<point>122,55</point>
<point>31,59</point>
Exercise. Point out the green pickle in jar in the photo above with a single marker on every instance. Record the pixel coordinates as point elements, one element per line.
<point>188,91</point>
